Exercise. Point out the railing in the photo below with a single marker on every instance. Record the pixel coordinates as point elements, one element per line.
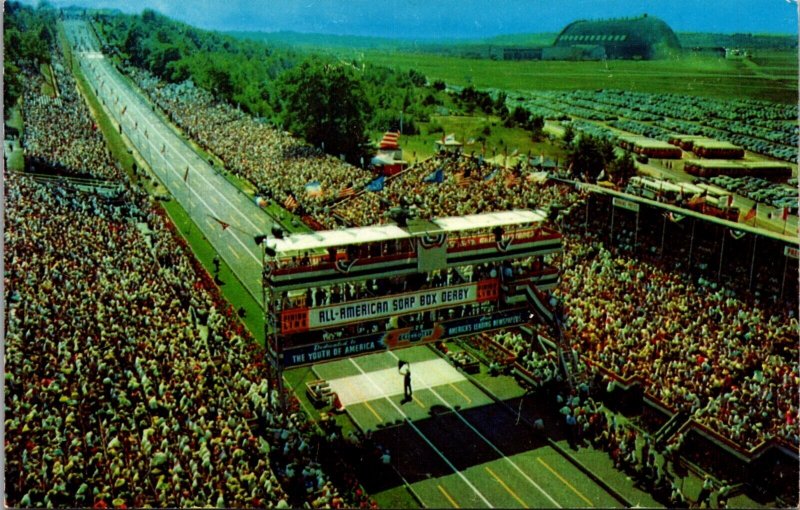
<point>324,262</point>
<point>487,240</point>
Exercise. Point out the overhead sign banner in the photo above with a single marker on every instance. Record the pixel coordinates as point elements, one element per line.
<point>626,204</point>
<point>399,304</point>
<point>791,252</point>
<point>403,337</point>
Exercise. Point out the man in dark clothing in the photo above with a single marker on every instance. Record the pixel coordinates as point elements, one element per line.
<point>406,381</point>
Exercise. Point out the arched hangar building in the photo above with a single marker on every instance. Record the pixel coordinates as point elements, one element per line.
<point>645,38</point>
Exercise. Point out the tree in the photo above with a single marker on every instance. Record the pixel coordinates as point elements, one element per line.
<point>623,168</point>
<point>325,104</point>
<point>586,158</point>
<point>569,134</point>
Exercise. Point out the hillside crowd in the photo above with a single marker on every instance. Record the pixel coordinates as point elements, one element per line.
<point>278,164</point>
<point>59,130</point>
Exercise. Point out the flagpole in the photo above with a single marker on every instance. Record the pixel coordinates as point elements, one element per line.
<point>753,260</point>
<point>691,242</point>
<point>721,253</point>
<point>612,222</point>
<point>783,280</point>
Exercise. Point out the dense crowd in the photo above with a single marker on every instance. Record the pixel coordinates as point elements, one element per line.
<point>727,362</point>
<point>59,130</point>
<point>469,185</point>
<point>278,164</point>
<point>128,381</point>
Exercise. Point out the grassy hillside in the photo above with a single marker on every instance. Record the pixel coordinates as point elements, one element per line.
<point>773,78</point>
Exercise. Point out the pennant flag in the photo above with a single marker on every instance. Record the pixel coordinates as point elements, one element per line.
<point>290,203</point>
<point>186,175</point>
<point>751,214</point>
<point>736,234</point>
<point>347,192</point>
<point>261,202</point>
<point>436,176</point>
<point>221,223</point>
<point>390,140</point>
<point>314,189</point>
<point>491,176</point>
<point>376,185</point>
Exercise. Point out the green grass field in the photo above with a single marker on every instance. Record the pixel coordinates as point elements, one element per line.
<point>773,78</point>
<point>466,127</point>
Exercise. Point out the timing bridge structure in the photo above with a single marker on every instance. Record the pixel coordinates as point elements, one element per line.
<point>341,293</point>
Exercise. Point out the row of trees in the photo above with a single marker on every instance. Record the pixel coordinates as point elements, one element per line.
<point>27,37</point>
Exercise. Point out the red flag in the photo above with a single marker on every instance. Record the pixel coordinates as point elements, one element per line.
<point>221,223</point>
<point>752,212</point>
<point>290,203</point>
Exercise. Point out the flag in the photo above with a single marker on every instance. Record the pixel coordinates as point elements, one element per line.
<point>186,175</point>
<point>602,175</point>
<point>376,185</point>
<point>751,214</point>
<point>221,223</point>
<point>436,176</point>
<point>347,192</point>
<point>785,214</point>
<point>314,189</point>
<point>290,203</point>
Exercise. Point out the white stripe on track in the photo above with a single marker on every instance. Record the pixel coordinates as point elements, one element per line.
<point>424,438</point>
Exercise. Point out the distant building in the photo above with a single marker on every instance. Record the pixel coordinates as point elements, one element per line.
<point>645,38</point>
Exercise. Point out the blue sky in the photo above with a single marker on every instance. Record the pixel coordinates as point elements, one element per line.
<point>427,19</point>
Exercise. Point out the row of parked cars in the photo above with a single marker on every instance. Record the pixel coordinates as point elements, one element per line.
<point>761,190</point>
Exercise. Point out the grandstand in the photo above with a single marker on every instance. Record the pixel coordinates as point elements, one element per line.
<point>645,37</point>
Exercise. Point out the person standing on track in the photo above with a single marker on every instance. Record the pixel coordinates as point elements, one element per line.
<point>406,379</point>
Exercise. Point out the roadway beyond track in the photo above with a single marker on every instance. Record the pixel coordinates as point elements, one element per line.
<point>206,195</point>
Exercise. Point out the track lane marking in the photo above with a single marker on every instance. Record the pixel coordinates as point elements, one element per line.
<point>506,487</point>
<point>448,496</point>
<point>576,491</point>
<point>486,440</point>
<point>424,437</point>
<point>469,400</point>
